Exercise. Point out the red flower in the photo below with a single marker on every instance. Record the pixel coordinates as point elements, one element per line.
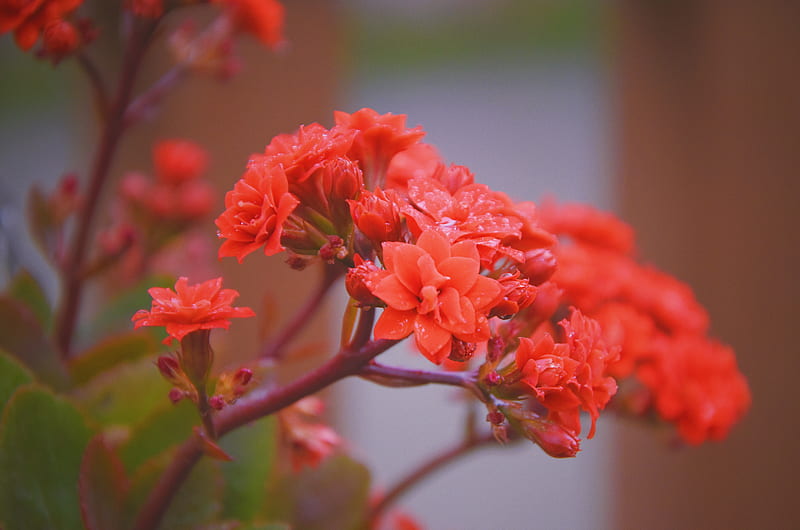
<point>380,137</point>
<point>179,160</point>
<point>588,225</point>
<point>190,308</point>
<point>307,150</point>
<point>29,18</point>
<point>571,376</point>
<point>697,385</point>
<point>434,289</point>
<point>500,228</point>
<point>264,19</point>
<point>256,209</point>
<point>418,161</point>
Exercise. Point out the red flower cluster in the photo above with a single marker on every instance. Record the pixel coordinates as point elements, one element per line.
<point>654,318</point>
<point>570,376</point>
<point>263,19</point>
<point>458,264</point>
<point>31,19</point>
<point>177,195</point>
<point>191,308</point>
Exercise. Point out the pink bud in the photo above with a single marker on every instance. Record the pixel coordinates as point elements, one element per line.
<point>216,402</point>
<point>243,376</point>
<point>492,379</point>
<point>495,417</point>
<point>176,394</point>
<point>169,367</point>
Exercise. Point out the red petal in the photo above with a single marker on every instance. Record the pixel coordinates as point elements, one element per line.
<point>463,272</point>
<point>395,294</point>
<point>432,339</point>
<point>394,324</point>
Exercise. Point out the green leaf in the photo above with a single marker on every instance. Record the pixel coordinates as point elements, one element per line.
<point>109,353</point>
<point>332,496</point>
<point>116,314</point>
<point>167,426</point>
<point>196,503</point>
<point>27,290</point>
<point>125,395</point>
<point>102,486</point>
<point>22,336</point>
<point>253,449</point>
<point>12,375</point>
<point>42,438</point>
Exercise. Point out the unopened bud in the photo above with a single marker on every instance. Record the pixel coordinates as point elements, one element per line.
<point>496,417</point>
<point>359,281</point>
<point>169,367</point>
<point>462,351</point>
<point>242,376</point>
<point>216,402</point>
<point>494,349</point>
<point>176,394</point>
<point>539,265</point>
<point>492,379</point>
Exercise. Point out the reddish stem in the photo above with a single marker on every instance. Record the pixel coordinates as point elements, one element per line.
<point>418,377</point>
<point>424,471</point>
<point>343,364</point>
<point>72,276</point>
<point>96,81</point>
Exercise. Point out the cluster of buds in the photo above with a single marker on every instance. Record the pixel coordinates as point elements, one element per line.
<point>48,21</point>
<point>49,214</point>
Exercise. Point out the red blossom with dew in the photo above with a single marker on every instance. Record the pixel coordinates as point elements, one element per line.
<point>255,211</point>
<point>569,376</point>
<point>434,290</point>
<point>191,308</point>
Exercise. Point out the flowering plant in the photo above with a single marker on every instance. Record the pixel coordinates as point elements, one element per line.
<point>538,314</point>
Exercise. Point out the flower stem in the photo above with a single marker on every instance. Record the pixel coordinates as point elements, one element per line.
<point>396,376</point>
<point>96,81</point>
<point>72,273</point>
<point>425,470</point>
<point>276,348</point>
<point>345,363</point>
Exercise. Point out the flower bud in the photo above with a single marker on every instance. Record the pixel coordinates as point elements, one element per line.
<point>242,376</point>
<point>495,417</point>
<point>60,39</point>
<point>169,368</point>
<point>176,394</point>
<point>359,281</point>
<point>462,351</point>
<point>539,265</point>
<point>377,216</point>
<point>493,379</point>
<point>216,402</point>
<point>518,293</point>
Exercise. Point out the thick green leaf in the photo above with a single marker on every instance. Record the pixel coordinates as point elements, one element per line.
<point>125,394</point>
<point>332,496</point>
<point>109,353</point>
<point>22,336</point>
<point>253,449</point>
<point>102,487</point>
<point>27,290</point>
<point>167,426</point>
<point>42,438</point>
<point>12,375</point>
<point>196,503</point>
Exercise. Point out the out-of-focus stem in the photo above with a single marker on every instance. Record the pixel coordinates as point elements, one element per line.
<point>153,95</point>
<point>420,377</point>
<point>345,363</point>
<point>72,274</point>
<point>276,348</point>
<point>424,471</point>
<point>96,81</point>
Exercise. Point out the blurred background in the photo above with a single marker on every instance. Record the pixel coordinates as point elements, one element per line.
<point>683,117</point>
